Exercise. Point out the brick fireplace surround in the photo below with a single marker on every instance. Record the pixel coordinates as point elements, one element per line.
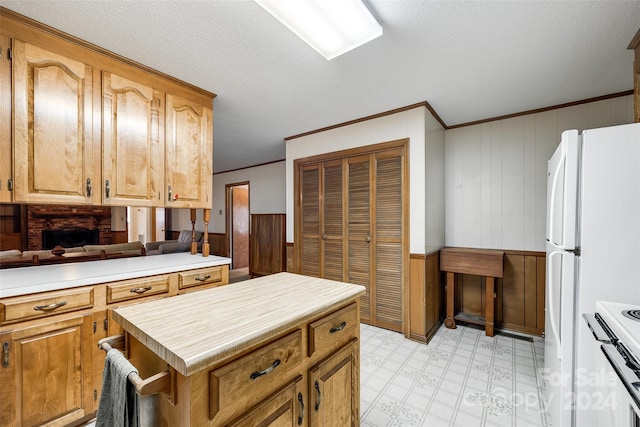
<point>52,217</point>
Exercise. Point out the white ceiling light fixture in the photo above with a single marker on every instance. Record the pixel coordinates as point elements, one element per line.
<point>331,27</point>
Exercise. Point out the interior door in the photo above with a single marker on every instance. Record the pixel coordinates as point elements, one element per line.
<point>240,226</point>
<point>562,192</point>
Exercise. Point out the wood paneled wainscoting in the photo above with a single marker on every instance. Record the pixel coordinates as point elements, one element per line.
<point>520,294</point>
<point>426,297</point>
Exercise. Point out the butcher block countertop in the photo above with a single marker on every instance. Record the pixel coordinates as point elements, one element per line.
<point>194,331</point>
<point>43,278</point>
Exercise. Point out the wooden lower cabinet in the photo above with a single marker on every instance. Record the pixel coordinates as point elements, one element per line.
<point>284,408</point>
<point>50,365</point>
<point>334,389</point>
<point>46,373</point>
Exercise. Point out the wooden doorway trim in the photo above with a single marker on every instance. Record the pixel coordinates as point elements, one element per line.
<point>228,216</point>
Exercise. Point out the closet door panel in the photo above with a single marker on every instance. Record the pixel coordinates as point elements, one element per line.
<point>388,237</point>
<point>359,229</point>
<point>332,221</point>
<point>310,220</point>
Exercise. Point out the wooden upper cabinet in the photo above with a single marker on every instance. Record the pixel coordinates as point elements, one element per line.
<point>54,157</point>
<point>133,149</point>
<point>6,175</point>
<point>189,147</point>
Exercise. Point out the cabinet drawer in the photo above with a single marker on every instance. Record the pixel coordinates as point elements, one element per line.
<point>137,288</point>
<point>239,384</point>
<point>333,330</point>
<point>201,276</point>
<point>33,306</point>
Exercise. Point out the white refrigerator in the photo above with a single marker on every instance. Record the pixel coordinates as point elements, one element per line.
<point>593,252</point>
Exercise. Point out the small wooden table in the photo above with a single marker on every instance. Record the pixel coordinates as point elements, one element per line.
<point>481,262</point>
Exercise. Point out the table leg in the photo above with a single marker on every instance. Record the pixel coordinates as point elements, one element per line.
<point>489,295</point>
<point>449,322</point>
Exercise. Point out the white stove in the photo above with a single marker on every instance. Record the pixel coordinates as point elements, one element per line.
<point>616,329</point>
<point>624,320</point>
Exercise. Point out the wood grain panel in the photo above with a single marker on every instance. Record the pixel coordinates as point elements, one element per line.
<point>540,291</point>
<point>267,244</point>
<point>417,297</point>
<point>513,290</point>
<point>530,291</point>
<point>309,218</point>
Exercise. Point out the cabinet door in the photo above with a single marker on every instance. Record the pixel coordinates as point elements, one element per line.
<point>284,408</point>
<point>5,118</point>
<point>189,158</point>
<point>359,229</point>
<point>388,240</point>
<point>53,141</point>
<point>333,386</point>
<point>47,373</point>
<point>332,221</point>
<point>133,148</point>
<point>309,261</point>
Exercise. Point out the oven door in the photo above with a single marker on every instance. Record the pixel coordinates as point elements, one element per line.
<point>620,399</point>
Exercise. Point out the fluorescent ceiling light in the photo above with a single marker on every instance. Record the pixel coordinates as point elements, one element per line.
<point>332,27</point>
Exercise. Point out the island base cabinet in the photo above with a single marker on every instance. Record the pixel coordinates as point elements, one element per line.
<point>45,374</point>
<point>285,408</point>
<point>334,389</point>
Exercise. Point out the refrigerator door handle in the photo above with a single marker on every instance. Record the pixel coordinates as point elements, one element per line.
<point>552,204</point>
<point>552,316</point>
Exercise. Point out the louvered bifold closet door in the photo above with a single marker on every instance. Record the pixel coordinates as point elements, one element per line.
<point>389,190</point>
<point>359,229</point>
<point>310,220</point>
<point>332,221</point>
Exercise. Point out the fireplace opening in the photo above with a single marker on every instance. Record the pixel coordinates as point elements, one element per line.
<point>70,237</point>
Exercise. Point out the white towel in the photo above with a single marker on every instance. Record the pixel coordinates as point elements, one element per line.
<point>119,402</point>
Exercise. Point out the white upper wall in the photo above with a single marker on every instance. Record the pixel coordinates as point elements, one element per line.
<point>410,124</point>
<point>495,173</point>
<point>266,195</point>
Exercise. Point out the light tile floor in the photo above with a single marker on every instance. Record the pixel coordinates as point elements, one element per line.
<point>461,378</point>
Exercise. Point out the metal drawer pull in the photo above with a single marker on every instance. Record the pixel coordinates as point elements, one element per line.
<point>266,371</point>
<point>49,306</point>
<point>140,290</point>
<point>301,417</point>
<point>338,328</point>
<point>317,387</point>
<point>5,355</point>
<point>203,278</point>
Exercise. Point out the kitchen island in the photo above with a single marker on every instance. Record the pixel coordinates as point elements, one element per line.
<point>281,349</point>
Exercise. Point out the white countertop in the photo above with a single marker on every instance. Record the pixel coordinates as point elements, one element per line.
<point>43,278</point>
<point>194,331</point>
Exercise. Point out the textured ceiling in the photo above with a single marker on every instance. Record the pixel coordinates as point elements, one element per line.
<point>469,60</point>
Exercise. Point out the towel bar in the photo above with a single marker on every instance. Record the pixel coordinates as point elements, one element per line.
<point>162,382</point>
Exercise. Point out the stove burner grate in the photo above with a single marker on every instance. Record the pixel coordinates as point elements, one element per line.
<point>632,314</point>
